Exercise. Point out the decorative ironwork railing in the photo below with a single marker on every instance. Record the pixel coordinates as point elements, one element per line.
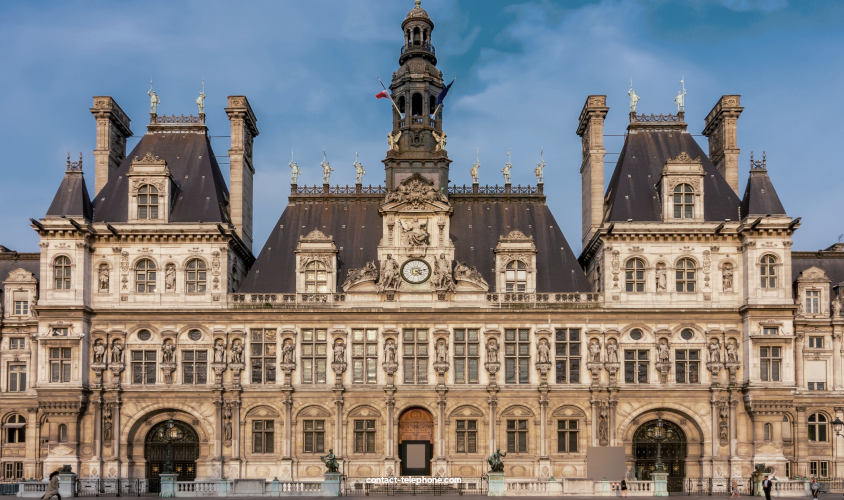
<point>412,47</point>
<point>494,189</point>
<point>317,190</point>
<point>164,119</point>
<point>660,118</point>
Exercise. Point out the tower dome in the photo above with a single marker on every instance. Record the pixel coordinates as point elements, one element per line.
<point>417,27</point>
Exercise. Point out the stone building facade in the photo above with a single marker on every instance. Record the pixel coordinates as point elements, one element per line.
<point>414,328</point>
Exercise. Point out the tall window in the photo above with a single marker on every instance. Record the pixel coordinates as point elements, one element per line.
<point>62,433</point>
<point>17,377</point>
<point>262,355</point>
<point>567,436</point>
<point>819,468</point>
<point>415,355</point>
<point>61,273</point>
<point>21,307</point>
<point>567,355</point>
<point>770,361</point>
<point>195,276</point>
<point>314,438</point>
<point>313,355</point>
<point>60,364</point>
<point>147,202</point>
<point>634,275</point>
<point>365,355</point>
<point>636,366</point>
<point>818,427</point>
<point>516,355</point>
<point>467,436</point>
<point>15,428</point>
<point>145,276</point>
<point>195,367</point>
<point>316,277</point>
<point>684,201</point>
<point>687,366</point>
<point>364,436</point>
<point>517,436</point>
<point>466,359</point>
<point>768,432</point>
<point>515,276</point>
<point>768,271</point>
<point>685,275</point>
<point>813,301</point>
<point>12,470</point>
<point>263,436</point>
<point>143,367</point>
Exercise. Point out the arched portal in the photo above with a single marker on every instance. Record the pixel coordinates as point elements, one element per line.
<point>416,448</point>
<point>185,450</point>
<point>672,449</point>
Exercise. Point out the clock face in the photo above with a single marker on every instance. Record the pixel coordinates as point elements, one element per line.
<point>416,271</point>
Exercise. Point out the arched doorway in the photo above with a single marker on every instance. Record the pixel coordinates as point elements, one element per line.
<point>185,449</point>
<point>672,447</point>
<point>416,448</point>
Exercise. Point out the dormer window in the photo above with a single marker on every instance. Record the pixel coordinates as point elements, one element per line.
<point>316,277</point>
<point>682,189</point>
<point>21,307</point>
<point>813,301</point>
<point>61,273</point>
<point>515,263</point>
<point>147,202</point>
<point>150,189</point>
<point>145,276</point>
<point>515,276</point>
<point>316,264</point>
<point>768,271</point>
<point>684,201</point>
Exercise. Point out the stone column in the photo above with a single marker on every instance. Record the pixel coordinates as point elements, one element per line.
<point>800,433</point>
<point>713,414</point>
<point>441,402</point>
<point>338,427</point>
<point>613,404</point>
<point>593,405</point>
<point>287,449</point>
<point>543,430</point>
<point>390,402</point>
<point>799,376</point>
<point>493,404</point>
<point>218,415</point>
<point>836,359</point>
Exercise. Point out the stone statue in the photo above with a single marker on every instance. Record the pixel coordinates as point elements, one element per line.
<point>714,351</point>
<point>393,140</point>
<point>612,351</point>
<point>492,351</point>
<point>634,97</point>
<point>287,353</point>
<point>464,272</point>
<point>116,352</point>
<point>219,351</point>
<point>506,170</point>
<point>389,279</point>
<point>680,99</point>
<point>495,462</point>
<point>415,232</point>
<point>330,461</point>
<point>440,137</point>
<point>326,168</point>
<point>368,272</point>
<point>595,351</point>
<point>107,423</point>
<point>237,352</point>
<point>475,167</point>
<point>200,101</point>
<point>359,170</point>
<point>603,426</point>
<point>663,352</point>
<point>661,277</point>
<point>227,417</point>
<point>170,277</point>
<point>442,279</point>
<point>732,351</point>
<point>415,190</point>
<point>836,307</point>
<point>99,352</point>
<point>389,351</point>
<point>339,352</point>
<point>543,351</point>
<point>442,351</point>
<point>154,100</point>
<point>103,277</point>
<point>727,278</point>
<point>540,167</point>
<point>294,169</point>
<point>167,351</point>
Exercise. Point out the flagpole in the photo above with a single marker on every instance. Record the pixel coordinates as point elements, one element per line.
<point>390,98</point>
<point>440,105</point>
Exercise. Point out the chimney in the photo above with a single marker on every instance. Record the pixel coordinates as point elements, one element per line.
<point>720,129</point>
<point>243,131</point>
<point>112,131</point>
<point>590,128</point>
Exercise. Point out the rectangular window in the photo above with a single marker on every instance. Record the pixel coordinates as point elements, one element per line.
<point>636,366</point>
<point>467,436</point>
<point>314,438</point>
<point>816,342</point>
<point>60,332</point>
<point>364,436</point>
<point>12,470</point>
<point>365,355</point>
<point>314,348</point>
<point>415,355</point>
<point>195,367</point>
<point>567,436</point>
<point>813,301</point>
<point>17,378</point>
<point>21,307</point>
<point>16,343</point>
<point>143,367</point>
<point>466,355</point>
<point>517,436</point>
<point>770,330</point>
<point>262,344</point>
<point>770,361</point>
<point>567,355</point>
<point>263,436</point>
<point>817,386</point>
<point>687,366</point>
<point>819,468</point>
<point>60,364</point>
<point>516,355</point>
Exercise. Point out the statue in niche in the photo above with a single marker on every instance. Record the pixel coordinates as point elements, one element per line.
<point>107,423</point>
<point>543,351</point>
<point>663,352</point>
<point>415,232</point>
<point>732,351</point>
<point>389,352</point>
<point>442,351</point>
<point>167,351</point>
<point>595,351</point>
<point>103,278</point>
<point>237,352</point>
<point>836,307</point>
<point>714,351</point>
<point>339,352</point>
<point>727,278</point>
<point>661,277</point>
<point>170,277</point>
<point>612,351</point>
<point>287,352</point>
<point>492,351</point>
<point>227,417</point>
<point>389,280</point>
<point>603,426</point>
<point>219,351</point>
<point>99,352</point>
<point>116,352</point>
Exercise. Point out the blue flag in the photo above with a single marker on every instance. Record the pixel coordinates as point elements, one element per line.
<point>441,97</point>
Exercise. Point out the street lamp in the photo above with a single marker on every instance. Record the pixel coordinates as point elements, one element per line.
<point>169,433</point>
<point>837,425</point>
<point>659,434</point>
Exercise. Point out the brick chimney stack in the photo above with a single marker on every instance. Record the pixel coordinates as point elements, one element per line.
<point>720,129</point>
<point>243,131</point>
<point>112,131</point>
<point>590,128</point>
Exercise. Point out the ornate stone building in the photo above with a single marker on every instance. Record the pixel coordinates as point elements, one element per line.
<point>416,327</point>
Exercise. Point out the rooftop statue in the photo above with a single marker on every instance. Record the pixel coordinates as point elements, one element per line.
<point>680,100</point>
<point>200,101</point>
<point>540,167</point>
<point>294,169</point>
<point>326,168</point>
<point>359,170</point>
<point>634,97</point>
<point>506,170</point>
<point>154,100</point>
<point>475,167</point>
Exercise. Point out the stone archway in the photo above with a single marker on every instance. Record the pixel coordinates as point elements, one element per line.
<point>672,450</point>
<point>416,447</point>
<point>184,448</point>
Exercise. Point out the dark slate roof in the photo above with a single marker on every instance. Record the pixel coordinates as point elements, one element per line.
<point>632,192</point>
<point>831,261</point>
<point>200,189</point>
<point>355,227</point>
<point>72,197</point>
<point>760,197</point>
<point>11,260</point>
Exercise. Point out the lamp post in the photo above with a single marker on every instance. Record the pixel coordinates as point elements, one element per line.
<point>169,433</point>
<point>658,434</point>
<point>837,426</point>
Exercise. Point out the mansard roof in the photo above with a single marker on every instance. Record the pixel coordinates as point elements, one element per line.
<point>830,260</point>
<point>200,190</point>
<point>633,191</point>
<point>11,260</point>
<point>760,197</point>
<point>72,198</point>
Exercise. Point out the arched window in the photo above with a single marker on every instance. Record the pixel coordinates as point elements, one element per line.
<point>515,276</point>
<point>15,428</point>
<point>768,432</point>
<point>145,276</point>
<point>432,104</point>
<point>416,104</point>
<point>417,36</point>
<point>400,104</point>
<point>768,271</point>
<point>634,275</point>
<point>684,201</point>
<point>61,273</point>
<point>195,276</point>
<point>818,428</point>
<point>685,275</point>
<point>316,277</point>
<point>62,433</point>
<point>147,202</point>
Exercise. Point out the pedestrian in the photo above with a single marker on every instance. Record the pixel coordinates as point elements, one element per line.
<point>623,486</point>
<point>815,488</point>
<point>734,488</point>
<point>52,487</point>
<point>767,484</point>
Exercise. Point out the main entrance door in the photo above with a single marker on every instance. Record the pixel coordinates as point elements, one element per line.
<point>185,449</point>
<point>672,447</point>
<point>416,433</point>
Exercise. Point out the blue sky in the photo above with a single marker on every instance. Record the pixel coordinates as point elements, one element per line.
<point>524,69</point>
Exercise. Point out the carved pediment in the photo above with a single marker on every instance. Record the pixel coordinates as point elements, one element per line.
<point>314,411</point>
<point>20,275</point>
<point>416,191</point>
<point>813,273</point>
<point>315,235</point>
<point>517,411</point>
<point>466,411</point>
<point>149,164</point>
<point>515,235</point>
<point>568,411</point>
<point>262,412</point>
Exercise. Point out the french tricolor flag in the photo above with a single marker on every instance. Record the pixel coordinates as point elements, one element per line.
<point>382,94</point>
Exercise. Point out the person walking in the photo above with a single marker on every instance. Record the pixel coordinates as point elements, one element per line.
<point>815,488</point>
<point>767,484</point>
<point>623,486</point>
<point>52,487</point>
<point>734,488</point>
